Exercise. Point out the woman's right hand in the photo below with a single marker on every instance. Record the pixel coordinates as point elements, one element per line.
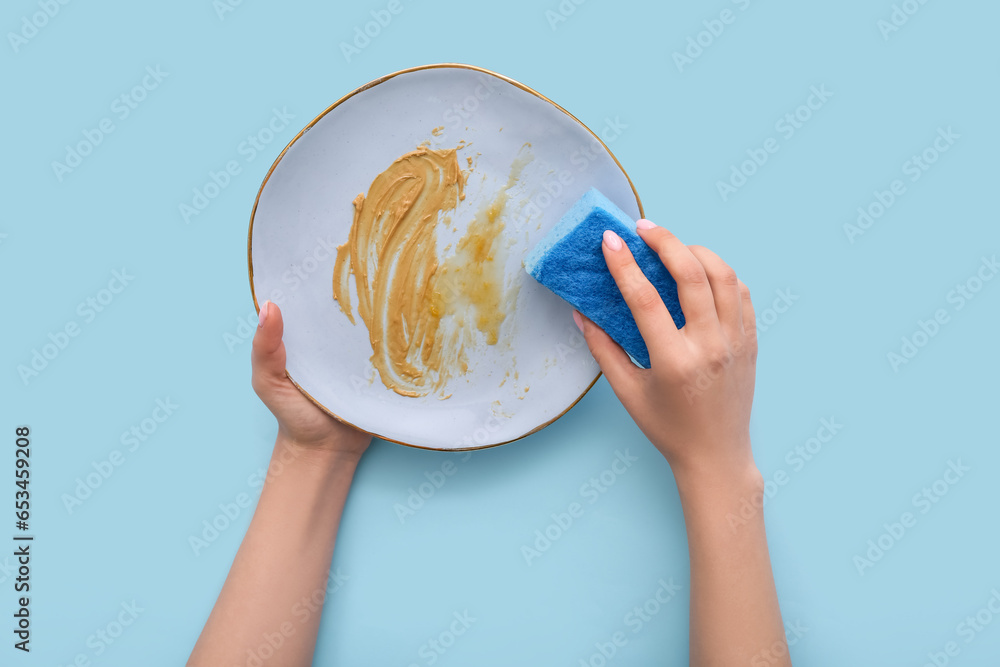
<point>694,402</point>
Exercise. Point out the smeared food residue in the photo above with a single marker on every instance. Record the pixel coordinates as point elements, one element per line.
<point>421,313</point>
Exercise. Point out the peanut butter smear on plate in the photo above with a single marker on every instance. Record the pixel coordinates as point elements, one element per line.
<point>422,312</point>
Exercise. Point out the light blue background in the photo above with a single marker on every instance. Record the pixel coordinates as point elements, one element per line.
<point>163,336</point>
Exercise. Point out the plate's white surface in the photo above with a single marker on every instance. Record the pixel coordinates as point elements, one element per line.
<point>304,211</point>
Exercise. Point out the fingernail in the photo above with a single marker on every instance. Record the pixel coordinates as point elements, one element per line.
<point>612,240</point>
<point>644,224</point>
<point>578,319</point>
<point>262,315</point>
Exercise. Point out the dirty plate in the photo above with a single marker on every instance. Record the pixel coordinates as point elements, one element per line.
<point>510,140</point>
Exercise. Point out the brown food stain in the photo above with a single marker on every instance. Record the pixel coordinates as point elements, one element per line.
<point>414,306</point>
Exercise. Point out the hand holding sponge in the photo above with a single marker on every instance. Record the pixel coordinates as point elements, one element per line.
<point>569,261</point>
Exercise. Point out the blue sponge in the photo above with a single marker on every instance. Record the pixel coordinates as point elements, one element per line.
<point>569,261</point>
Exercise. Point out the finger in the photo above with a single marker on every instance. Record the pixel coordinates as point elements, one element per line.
<point>652,317</point>
<point>693,289</point>
<point>268,355</point>
<point>749,317</point>
<point>725,290</point>
<point>613,360</point>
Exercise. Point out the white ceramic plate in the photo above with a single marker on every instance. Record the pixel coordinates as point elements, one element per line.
<point>540,367</point>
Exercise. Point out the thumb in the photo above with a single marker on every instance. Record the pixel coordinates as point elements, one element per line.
<point>268,356</point>
<point>612,359</point>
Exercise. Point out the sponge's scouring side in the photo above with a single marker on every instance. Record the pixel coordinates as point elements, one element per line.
<point>569,261</point>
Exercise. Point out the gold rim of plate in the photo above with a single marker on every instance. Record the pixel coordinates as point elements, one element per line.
<point>333,106</point>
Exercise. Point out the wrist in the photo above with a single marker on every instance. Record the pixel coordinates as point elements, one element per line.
<point>720,498</point>
<point>328,454</point>
<point>720,477</point>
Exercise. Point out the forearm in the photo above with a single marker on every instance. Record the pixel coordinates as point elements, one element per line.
<point>734,605</point>
<point>285,557</point>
